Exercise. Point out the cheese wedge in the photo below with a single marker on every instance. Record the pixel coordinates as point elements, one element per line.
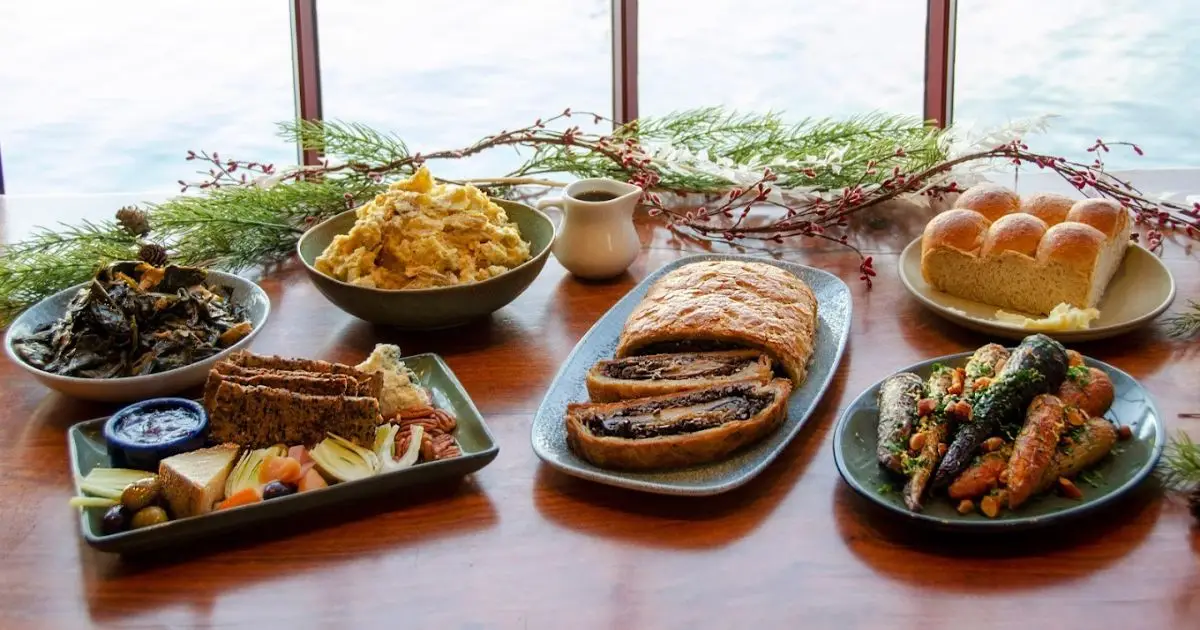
<point>193,482</point>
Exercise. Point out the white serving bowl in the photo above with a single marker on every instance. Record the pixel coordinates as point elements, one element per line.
<point>130,388</point>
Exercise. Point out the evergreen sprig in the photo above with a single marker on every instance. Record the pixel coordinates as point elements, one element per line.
<point>1185,323</point>
<point>1180,465</point>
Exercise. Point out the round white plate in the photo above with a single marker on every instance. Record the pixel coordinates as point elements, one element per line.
<point>1140,291</point>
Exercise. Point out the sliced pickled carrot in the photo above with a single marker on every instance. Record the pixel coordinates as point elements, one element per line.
<point>245,496</point>
<point>312,481</point>
<point>283,469</point>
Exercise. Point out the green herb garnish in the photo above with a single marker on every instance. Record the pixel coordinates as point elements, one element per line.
<point>886,487</point>
<point>1079,374</point>
<point>1092,478</point>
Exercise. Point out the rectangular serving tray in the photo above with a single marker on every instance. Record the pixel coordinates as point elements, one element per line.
<point>549,435</point>
<point>87,451</point>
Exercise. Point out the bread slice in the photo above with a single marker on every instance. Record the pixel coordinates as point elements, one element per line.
<point>256,417</point>
<point>1023,263</point>
<point>658,374</point>
<point>680,429</point>
<point>193,482</point>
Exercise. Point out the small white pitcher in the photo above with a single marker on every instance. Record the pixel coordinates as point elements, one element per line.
<point>597,239</point>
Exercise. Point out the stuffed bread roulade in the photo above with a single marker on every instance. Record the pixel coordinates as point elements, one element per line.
<point>726,305</point>
<point>679,429</point>
<point>658,374</point>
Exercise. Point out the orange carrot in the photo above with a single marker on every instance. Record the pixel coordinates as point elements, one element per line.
<point>283,469</point>
<point>312,481</point>
<point>245,496</point>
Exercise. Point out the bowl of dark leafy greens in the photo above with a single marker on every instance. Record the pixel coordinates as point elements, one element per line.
<point>136,331</point>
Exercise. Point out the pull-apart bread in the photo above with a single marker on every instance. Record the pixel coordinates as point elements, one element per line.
<point>1025,255</point>
<point>726,305</point>
<point>680,429</point>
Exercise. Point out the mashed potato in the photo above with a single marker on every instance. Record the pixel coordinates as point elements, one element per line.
<point>420,234</point>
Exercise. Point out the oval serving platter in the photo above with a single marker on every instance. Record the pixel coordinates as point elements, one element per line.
<point>549,435</point>
<point>1141,290</point>
<point>87,451</point>
<point>855,438</point>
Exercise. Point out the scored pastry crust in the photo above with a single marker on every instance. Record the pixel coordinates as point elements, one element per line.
<point>674,451</point>
<point>745,305</point>
<point>604,388</point>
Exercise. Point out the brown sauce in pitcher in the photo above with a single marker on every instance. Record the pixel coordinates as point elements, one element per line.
<point>595,195</point>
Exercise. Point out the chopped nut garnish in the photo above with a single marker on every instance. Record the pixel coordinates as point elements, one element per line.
<point>926,407</point>
<point>992,444</point>
<point>1076,417</point>
<point>956,382</point>
<point>1068,489</point>
<point>990,506</point>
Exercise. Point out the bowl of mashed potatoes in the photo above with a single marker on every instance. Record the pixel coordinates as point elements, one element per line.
<point>424,255</point>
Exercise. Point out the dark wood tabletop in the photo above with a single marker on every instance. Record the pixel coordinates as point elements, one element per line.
<point>519,545</point>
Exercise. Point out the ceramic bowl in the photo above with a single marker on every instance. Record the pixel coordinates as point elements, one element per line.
<point>131,388</point>
<point>127,453</point>
<point>426,309</point>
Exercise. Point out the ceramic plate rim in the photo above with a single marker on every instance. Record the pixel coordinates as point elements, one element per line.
<point>966,319</point>
<point>1012,523</point>
<point>534,258</point>
<point>132,536</point>
<point>227,279</point>
<point>617,478</point>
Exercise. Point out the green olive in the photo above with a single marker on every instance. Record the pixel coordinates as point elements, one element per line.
<point>141,493</point>
<point>146,517</point>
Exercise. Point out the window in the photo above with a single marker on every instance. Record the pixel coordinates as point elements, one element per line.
<point>444,74</point>
<point>803,58</point>
<point>1120,70</point>
<point>108,96</point>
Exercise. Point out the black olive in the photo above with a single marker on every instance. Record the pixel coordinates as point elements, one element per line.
<point>276,489</point>
<point>115,520</point>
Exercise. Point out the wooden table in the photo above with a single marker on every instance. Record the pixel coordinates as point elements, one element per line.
<point>519,545</point>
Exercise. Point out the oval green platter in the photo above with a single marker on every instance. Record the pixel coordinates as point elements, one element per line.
<point>1129,464</point>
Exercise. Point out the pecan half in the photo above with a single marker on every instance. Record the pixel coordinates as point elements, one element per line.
<point>444,447</point>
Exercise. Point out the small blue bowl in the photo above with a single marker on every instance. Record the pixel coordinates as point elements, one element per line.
<point>124,451</point>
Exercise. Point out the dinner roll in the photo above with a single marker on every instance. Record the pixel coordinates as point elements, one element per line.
<point>1049,207</point>
<point>991,200</point>
<point>962,230</point>
<point>1071,243</point>
<point>1105,215</point>
<point>1019,233</point>
<point>1024,262</point>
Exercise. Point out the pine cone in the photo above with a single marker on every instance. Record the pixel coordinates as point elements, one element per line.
<point>1194,502</point>
<point>135,221</point>
<point>154,254</point>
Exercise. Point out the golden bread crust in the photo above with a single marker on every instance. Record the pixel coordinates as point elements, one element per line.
<point>1016,233</point>
<point>1105,215</point>
<point>991,200</point>
<point>1049,207</point>
<point>960,229</point>
<point>1070,243</point>
<point>1027,261</point>
<point>673,451</point>
<point>751,305</point>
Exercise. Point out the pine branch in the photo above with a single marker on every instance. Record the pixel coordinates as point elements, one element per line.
<point>239,227</point>
<point>49,261</point>
<point>1180,465</point>
<point>347,141</point>
<point>1184,324</point>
